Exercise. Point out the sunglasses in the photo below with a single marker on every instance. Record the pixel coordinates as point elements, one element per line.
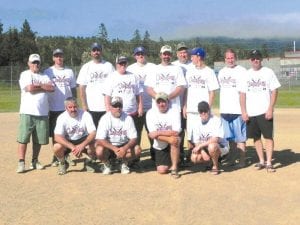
<point>257,58</point>
<point>117,105</point>
<point>96,50</point>
<point>139,53</point>
<point>36,62</point>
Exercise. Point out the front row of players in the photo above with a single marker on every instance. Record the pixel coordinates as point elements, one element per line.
<point>114,142</point>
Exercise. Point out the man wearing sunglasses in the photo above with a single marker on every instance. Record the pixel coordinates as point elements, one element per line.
<point>34,109</point>
<point>258,94</point>
<point>91,80</point>
<point>116,138</point>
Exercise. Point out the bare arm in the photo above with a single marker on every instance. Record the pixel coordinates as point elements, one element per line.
<point>273,98</point>
<point>178,91</point>
<point>151,92</point>
<point>243,106</point>
<point>82,95</point>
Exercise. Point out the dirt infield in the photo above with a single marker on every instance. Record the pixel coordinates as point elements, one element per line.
<point>235,197</point>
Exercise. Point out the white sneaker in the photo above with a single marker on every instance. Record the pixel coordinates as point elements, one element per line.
<point>21,167</point>
<point>36,165</point>
<point>106,169</point>
<point>124,169</point>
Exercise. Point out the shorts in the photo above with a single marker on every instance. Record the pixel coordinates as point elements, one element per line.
<point>191,119</point>
<point>52,121</point>
<point>234,129</point>
<point>96,116</point>
<point>76,142</point>
<point>223,149</point>
<point>35,126</point>
<point>163,157</point>
<point>259,125</point>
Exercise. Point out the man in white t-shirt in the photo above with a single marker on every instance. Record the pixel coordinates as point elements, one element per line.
<point>64,86</point>
<point>116,138</point>
<point>34,109</point>
<point>202,84</point>
<point>164,128</point>
<point>91,80</point>
<point>230,78</point>
<point>258,97</point>
<point>74,131</point>
<point>142,68</point>
<point>207,135</point>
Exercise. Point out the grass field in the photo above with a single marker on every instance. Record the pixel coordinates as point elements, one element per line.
<point>10,98</point>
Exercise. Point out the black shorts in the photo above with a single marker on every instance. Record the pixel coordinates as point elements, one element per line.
<point>259,125</point>
<point>96,116</point>
<point>76,142</point>
<point>163,157</point>
<point>52,121</point>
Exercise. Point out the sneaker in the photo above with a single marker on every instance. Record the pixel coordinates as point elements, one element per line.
<point>62,168</point>
<point>106,170</point>
<point>36,165</point>
<point>69,160</point>
<point>21,167</point>
<point>89,166</point>
<point>124,169</point>
<point>55,164</point>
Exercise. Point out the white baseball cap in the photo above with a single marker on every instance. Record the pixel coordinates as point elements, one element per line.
<point>34,57</point>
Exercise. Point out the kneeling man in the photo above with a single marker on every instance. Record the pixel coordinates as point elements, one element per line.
<point>164,127</point>
<point>116,138</point>
<point>208,136</point>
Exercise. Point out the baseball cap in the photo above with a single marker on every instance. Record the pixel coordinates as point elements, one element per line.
<point>203,107</point>
<point>166,48</point>
<point>181,46</point>
<point>139,49</point>
<point>116,100</point>
<point>255,54</point>
<point>96,46</point>
<point>34,57</point>
<point>57,51</point>
<point>121,59</point>
<point>198,51</point>
<point>161,95</point>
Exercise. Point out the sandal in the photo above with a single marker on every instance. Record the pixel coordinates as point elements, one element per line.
<point>270,169</point>
<point>215,171</point>
<point>175,174</point>
<point>259,166</point>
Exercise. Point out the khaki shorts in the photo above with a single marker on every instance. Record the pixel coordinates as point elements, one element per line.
<point>37,126</point>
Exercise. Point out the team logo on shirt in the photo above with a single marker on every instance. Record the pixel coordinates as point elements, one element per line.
<point>227,82</point>
<point>204,137</point>
<point>197,81</point>
<point>163,126</point>
<point>98,77</point>
<point>80,131</point>
<point>165,78</point>
<point>61,81</point>
<point>125,87</point>
<point>117,132</point>
<point>256,85</point>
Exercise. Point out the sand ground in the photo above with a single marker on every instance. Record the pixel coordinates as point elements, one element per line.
<point>235,197</point>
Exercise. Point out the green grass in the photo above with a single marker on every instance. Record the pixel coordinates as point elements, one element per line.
<point>10,98</point>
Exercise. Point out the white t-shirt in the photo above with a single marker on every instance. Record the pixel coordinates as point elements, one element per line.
<point>229,80</point>
<point>142,71</point>
<point>63,80</point>
<point>166,79</point>
<point>184,66</point>
<point>33,104</point>
<point>117,131</point>
<point>258,86</point>
<point>93,76</point>
<point>213,128</point>
<point>157,121</point>
<point>125,86</point>
<point>199,83</point>
<point>74,128</point>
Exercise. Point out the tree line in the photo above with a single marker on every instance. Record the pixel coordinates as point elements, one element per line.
<point>16,46</point>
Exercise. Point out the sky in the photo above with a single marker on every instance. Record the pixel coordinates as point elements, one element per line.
<point>169,19</point>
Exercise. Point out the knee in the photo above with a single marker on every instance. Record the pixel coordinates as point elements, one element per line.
<point>137,151</point>
<point>162,169</point>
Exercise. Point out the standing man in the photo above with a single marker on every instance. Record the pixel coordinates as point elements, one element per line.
<point>258,97</point>
<point>164,128</point>
<point>116,138</point>
<point>91,80</point>
<point>141,68</point>
<point>64,87</point>
<point>34,111</point>
<point>230,78</point>
<point>74,131</point>
<point>184,62</point>
<point>202,84</point>
<point>208,138</point>
<point>126,85</point>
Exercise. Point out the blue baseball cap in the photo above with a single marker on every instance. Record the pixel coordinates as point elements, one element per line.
<point>97,46</point>
<point>139,49</point>
<point>198,51</point>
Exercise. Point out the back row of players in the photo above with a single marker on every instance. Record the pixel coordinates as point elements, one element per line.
<point>178,96</point>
